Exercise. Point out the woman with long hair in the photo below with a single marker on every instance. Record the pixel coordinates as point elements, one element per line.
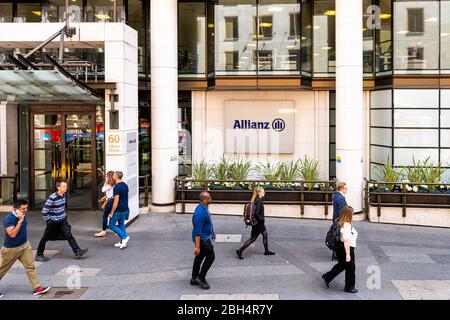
<point>107,201</point>
<point>346,253</point>
<point>258,226</point>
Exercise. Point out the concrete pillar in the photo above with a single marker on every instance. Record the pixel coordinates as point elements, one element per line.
<point>164,114</point>
<point>121,68</point>
<point>349,99</point>
<point>9,144</point>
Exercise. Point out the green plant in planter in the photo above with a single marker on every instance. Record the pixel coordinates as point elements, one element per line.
<point>389,173</point>
<point>432,173</point>
<point>310,171</point>
<point>221,169</point>
<point>414,173</point>
<point>239,170</point>
<point>202,171</point>
<point>290,170</point>
<point>268,171</point>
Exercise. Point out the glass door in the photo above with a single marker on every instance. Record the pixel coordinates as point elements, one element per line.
<point>64,148</point>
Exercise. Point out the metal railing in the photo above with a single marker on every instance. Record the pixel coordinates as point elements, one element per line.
<point>13,180</point>
<point>296,192</point>
<point>404,195</point>
<point>146,189</point>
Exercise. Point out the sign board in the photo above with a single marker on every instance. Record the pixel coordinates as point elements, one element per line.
<point>118,143</point>
<point>259,127</point>
<point>131,141</point>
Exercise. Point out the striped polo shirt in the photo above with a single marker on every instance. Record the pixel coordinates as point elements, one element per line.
<point>54,208</point>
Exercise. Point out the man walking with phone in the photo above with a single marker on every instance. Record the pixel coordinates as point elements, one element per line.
<point>17,247</point>
<point>54,214</point>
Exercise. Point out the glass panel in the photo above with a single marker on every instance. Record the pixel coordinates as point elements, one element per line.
<point>278,32</point>
<point>445,118</point>
<point>184,136</point>
<point>44,179</point>
<point>47,120</point>
<point>445,99</point>
<point>381,99</point>
<point>413,98</point>
<point>144,140</point>
<point>445,160</point>
<point>445,138</point>
<point>416,138</point>
<point>78,121</point>
<point>211,34</point>
<point>416,118</point>
<point>235,48</point>
<point>306,39</point>
<point>381,136</point>
<point>100,147</point>
<point>191,38</point>
<point>28,11</point>
<point>380,154</point>
<point>416,35</point>
<point>367,40</point>
<point>445,34</point>
<point>136,20</point>
<point>46,138</point>
<point>404,157</point>
<point>6,11</point>
<point>53,10</point>
<point>103,11</point>
<point>384,39</point>
<point>40,197</point>
<point>381,118</point>
<point>376,172</point>
<point>324,21</point>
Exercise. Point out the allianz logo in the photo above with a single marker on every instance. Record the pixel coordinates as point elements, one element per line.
<point>277,124</point>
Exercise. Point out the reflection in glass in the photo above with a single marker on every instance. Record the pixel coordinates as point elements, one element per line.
<point>324,21</point>
<point>306,39</point>
<point>28,11</point>
<point>234,41</point>
<point>191,38</point>
<point>416,36</point>
<point>184,136</point>
<point>445,35</point>
<point>103,11</point>
<point>47,120</point>
<point>368,32</point>
<point>384,39</point>
<point>6,11</point>
<point>53,10</point>
<point>136,20</point>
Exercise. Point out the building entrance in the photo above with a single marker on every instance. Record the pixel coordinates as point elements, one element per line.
<point>64,147</point>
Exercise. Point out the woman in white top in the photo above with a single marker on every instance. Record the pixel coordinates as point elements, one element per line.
<point>346,252</point>
<point>107,202</point>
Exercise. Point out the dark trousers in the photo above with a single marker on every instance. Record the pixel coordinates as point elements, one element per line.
<point>206,253</point>
<point>60,230</point>
<point>342,265</point>
<point>106,213</point>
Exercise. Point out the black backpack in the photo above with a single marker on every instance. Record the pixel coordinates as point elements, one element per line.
<point>249,208</point>
<point>333,239</point>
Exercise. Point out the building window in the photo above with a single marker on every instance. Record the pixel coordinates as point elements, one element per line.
<point>383,38</point>
<point>264,29</point>
<point>264,60</point>
<point>294,59</point>
<point>445,36</point>
<point>6,11</point>
<point>231,58</point>
<point>415,57</point>
<point>192,38</point>
<point>294,24</point>
<point>231,28</point>
<point>415,21</point>
<point>28,11</point>
<point>324,21</point>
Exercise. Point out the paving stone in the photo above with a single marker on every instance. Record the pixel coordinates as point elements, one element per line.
<point>423,289</point>
<point>63,294</point>
<point>48,253</point>
<point>83,272</point>
<point>230,296</point>
<point>228,238</point>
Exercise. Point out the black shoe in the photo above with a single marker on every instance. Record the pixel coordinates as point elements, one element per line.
<point>351,290</point>
<point>194,282</point>
<point>269,253</point>
<point>80,253</point>
<point>203,284</point>
<point>41,258</point>
<point>1,295</point>
<point>239,254</point>
<point>327,283</point>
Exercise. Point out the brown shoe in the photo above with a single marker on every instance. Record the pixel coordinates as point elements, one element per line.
<point>100,234</point>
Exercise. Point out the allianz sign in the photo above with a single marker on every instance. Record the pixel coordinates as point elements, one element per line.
<point>277,124</point>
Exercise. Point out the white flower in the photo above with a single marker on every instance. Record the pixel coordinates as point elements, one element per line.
<point>409,188</point>
<point>415,189</point>
<point>370,185</point>
<point>405,181</point>
<point>442,186</point>
<point>424,186</point>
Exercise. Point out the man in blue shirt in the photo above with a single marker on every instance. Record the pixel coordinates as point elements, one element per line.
<point>202,235</point>
<point>119,211</point>
<point>339,201</point>
<point>17,247</point>
<point>57,226</point>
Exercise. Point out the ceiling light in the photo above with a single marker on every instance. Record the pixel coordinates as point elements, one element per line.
<point>330,13</point>
<point>275,9</point>
<point>316,27</point>
<point>385,15</point>
<point>265,24</point>
<point>432,19</point>
<point>403,32</point>
<point>210,25</point>
<point>101,16</point>
<point>38,13</point>
<point>291,46</point>
<point>327,48</point>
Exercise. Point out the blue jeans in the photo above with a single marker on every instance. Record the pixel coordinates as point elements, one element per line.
<point>117,224</point>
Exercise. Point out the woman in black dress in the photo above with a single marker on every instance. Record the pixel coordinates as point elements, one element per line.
<point>258,227</point>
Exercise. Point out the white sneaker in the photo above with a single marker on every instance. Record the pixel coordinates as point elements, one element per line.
<point>125,241</point>
<point>118,244</point>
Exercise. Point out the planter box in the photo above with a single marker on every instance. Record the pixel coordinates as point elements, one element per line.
<point>424,198</point>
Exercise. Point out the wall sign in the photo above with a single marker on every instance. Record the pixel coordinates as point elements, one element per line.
<point>114,143</point>
<point>259,126</point>
<point>131,141</point>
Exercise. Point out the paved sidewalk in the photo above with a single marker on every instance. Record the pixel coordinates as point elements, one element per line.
<point>413,262</point>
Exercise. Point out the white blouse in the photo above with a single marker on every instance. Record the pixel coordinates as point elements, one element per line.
<point>108,190</point>
<point>348,232</point>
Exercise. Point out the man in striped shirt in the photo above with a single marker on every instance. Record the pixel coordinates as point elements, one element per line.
<point>54,214</point>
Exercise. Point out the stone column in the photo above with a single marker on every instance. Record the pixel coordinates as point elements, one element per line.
<point>349,99</point>
<point>164,106</point>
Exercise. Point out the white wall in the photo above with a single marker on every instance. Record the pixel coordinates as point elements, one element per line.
<point>311,124</point>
